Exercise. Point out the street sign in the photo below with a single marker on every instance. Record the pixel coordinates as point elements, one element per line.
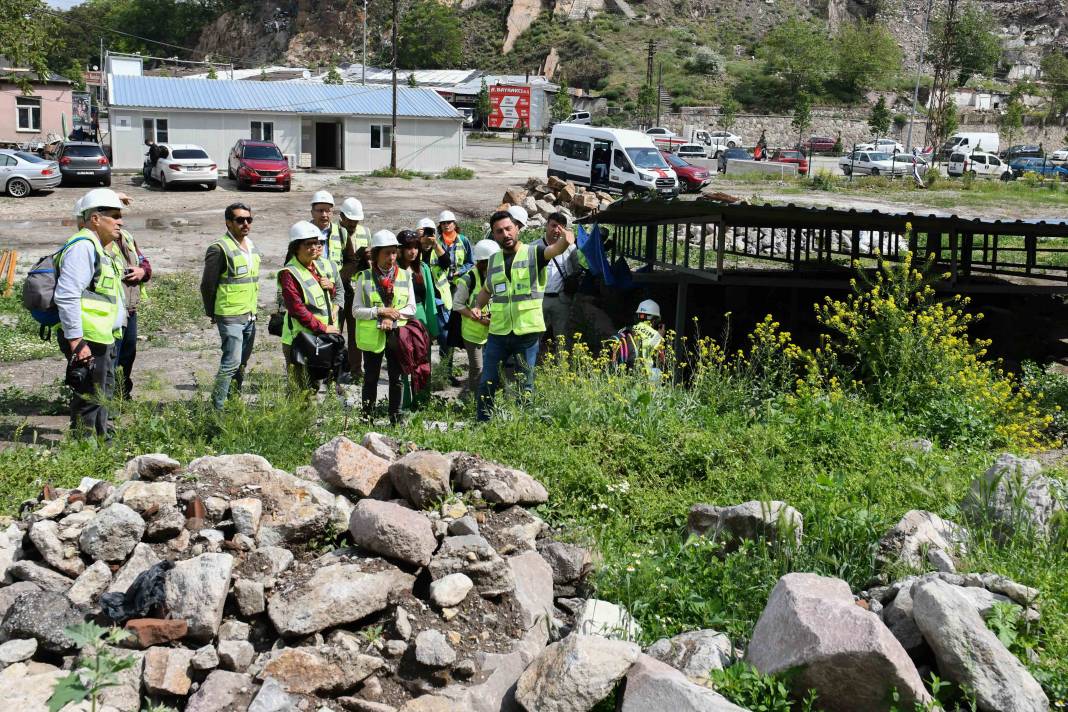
<point>509,106</point>
<point>94,79</point>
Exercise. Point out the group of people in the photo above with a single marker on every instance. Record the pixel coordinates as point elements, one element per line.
<point>366,299</point>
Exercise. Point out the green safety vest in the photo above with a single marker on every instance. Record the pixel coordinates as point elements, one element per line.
<point>335,244</point>
<point>239,286</point>
<point>647,339</point>
<point>474,331</point>
<point>102,299</point>
<point>315,298</point>
<point>456,257</point>
<point>360,237</point>
<point>443,289</point>
<point>517,301</point>
<point>368,336</point>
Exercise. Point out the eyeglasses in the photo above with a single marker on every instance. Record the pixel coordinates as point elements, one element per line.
<point>109,213</point>
<point>310,245</point>
<point>242,220</point>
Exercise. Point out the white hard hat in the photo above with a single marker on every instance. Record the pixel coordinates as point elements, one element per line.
<point>484,249</point>
<point>518,214</point>
<point>351,208</point>
<point>446,216</point>
<point>101,198</point>
<point>322,196</point>
<point>649,308</point>
<point>78,208</point>
<point>304,230</point>
<point>384,238</point>
<point>426,222</point>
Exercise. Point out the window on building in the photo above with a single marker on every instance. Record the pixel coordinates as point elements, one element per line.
<point>381,136</point>
<point>29,113</point>
<point>263,131</point>
<point>155,130</point>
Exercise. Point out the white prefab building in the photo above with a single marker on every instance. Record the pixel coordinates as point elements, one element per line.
<point>316,125</point>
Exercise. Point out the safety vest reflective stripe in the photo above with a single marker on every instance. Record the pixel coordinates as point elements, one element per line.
<point>360,237</point>
<point>368,336</point>
<point>335,244</point>
<point>238,288</point>
<point>98,321</point>
<point>474,331</point>
<point>517,300</point>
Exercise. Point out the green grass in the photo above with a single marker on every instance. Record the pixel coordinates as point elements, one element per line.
<point>457,173</point>
<point>399,173</point>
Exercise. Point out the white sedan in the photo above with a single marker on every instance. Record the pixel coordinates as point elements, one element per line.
<point>883,145</point>
<point>722,140</point>
<point>874,163</point>
<point>182,163</point>
<point>1059,156</point>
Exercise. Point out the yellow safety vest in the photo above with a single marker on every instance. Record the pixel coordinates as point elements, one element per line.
<point>315,298</point>
<point>456,257</point>
<point>368,336</point>
<point>102,299</point>
<point>517,301</point>
<point>647,339</point>
<point>239,286</point>
<point>474,331</point>
<point>335,245</point>
<point>360,237</point>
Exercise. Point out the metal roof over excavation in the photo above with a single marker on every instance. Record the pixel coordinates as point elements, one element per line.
<point>290,97</point>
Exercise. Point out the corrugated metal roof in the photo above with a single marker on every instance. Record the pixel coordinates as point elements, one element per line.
<point>296,97</point>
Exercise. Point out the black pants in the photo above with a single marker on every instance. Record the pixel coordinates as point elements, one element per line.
<point>86,414</point>
<point>372,369</point>
<point>126,352</point>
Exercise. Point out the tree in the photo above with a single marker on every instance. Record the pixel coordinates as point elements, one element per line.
<point>411,80</point>
<point>24,40</point>
<point>647,103</point>
<point>705,61</point>
<point>872,53</point>
<point>333,77</point>
<point>879,120</point>
<point>212,74</point>
<point>1055,72</point>
<point>968,39</point>
<point>429,37</point>
<point>802,114</point>
<point>728,112</point>
<point>1011,121</point>
<point>482,103</point>
<point>800,53</point>
<point>561,108</point>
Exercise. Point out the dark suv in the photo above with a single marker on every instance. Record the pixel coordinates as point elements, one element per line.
<point>83,162</point>
<point>258,163</point>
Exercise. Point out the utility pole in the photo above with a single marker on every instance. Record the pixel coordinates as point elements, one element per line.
<point>919,72</point>
<point>393,131</point>
<point>649,63</point>
<point>659,90</point>
<point>363,61</point>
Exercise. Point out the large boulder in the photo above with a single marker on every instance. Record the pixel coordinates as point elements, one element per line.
<point>315,670</point>
<point>43,616</point>
<point>223,690</point>
<point>574,674</point>
<point>695,653</point>
<point>353,468</point>
<point>422,477</point>
<point>143,497</point>
<point>812,627</point>
<point>195,589</point>
<point>472,555</point>
<point>533,592</point>
<point>150,466</point>
<point>754,520</point>
<point>393,531</point>
<point>653,685</point>
<point>1011,496</point>
<point>167,671</point>
<point>333,596</point>
<point>60,556</point>
<point>497,483</point>
<point>112,534</point>
<point>918,533</point>
<point>44,577</point>
<point>969,654</point>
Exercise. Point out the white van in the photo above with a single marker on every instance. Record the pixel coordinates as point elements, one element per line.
<point>614,160</point>
<point>968,141</point>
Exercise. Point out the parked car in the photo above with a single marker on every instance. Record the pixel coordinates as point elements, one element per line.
<point>908,159</point>
<point>469,115</point>
<point>1021,151</point>
<point>22,172</point>
<point>580,117</point>
<point>873,163</point>
<point>882,145</point>
<point>691,177</point>
<point>797,158</point>
<point>971,141</point>
<point>258,163</point>
<point>83,162</point>
<point>615,160</point>
<point>665,138</point>
<point>819,144</point>
<point>1060,155</point>
<point>693,150</point>
<point>1042,167</point>
<point>722,140</point>
<point>182,163</point>
<point>738,154</point>
<point>977,163</point>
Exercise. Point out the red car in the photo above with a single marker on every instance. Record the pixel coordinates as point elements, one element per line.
<point>258,163</point>
<point>795,157</point>
<point>819,144</point>
<point>690,176</point>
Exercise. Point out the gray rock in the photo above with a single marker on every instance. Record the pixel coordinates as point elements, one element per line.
<point>17,650</point>
<point>267,562</point>
<point>221,691</point>
<point>422,477</point>
<point>969,654</point>
<point>694,653</point>
<point>151,467</point>
<point>497,483</point>
<point>235,655</point>
<point>843,652</point>
<point>653,685</point>
<point>272,697</point>
<point>393,531</point>
<point>597,617</point>
<point>753,520</point>
<point>196,590</point>
<point>43,616</point>
<point>28,686</point>
<point>918,534</point>
<point>63,558</point>
<point>205,658</point>
<point>10,550</point>
<point>523,534</point>
<point>395,648</point>
<point>1019,593</point>
<point>533,593</point>
<point>1012,495</point>
<point>141,560</point>
<point>941,561</point>
<point>125,696</point>
<point>112,534</point>
<point>165,524</point>
<point>570,563</point>
<point>402,624</point>
<point>233,629</point>
<point>45,578</point>
<point>383,446</point>
<point>166,671</point>
<point>249,597</point>
<point>451,590</point>
<point>432,650</point>
<point>353,468</point>
<point>144,496</point>
<point>324,670</point>
<point>897,616</point>
<point>574,674</point>
<point>246,514</point>
<point>463,526</point>
<point>473,555</point>
<point>88,587</point>
<point>8,594</point>
<point>333,596</point>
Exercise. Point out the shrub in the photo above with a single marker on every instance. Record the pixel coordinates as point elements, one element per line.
<point>458,173</point>
<point>967,181</point>
<point>825,180</point>
<point>705,61</point>
<point>746,686</point>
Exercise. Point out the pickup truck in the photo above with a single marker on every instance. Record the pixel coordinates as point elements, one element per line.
<point>665,138</point>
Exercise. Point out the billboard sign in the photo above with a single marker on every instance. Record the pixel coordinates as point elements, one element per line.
<point>509,106</point>
<point>94,78</point>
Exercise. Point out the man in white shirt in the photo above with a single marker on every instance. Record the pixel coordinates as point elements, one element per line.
<point>558,306</point>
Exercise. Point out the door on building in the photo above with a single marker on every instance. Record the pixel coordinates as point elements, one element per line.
<point>327,141</point>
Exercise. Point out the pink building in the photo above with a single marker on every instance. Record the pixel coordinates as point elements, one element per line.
<point>26,117</point>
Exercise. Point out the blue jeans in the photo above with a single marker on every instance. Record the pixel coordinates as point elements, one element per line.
<point>498,349</point>
<point>125,353</point>
<point>237,343</point>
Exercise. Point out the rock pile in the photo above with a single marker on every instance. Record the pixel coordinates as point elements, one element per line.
<point>541,198</point>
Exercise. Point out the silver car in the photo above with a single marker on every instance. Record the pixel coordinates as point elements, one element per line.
<point>22,172</point>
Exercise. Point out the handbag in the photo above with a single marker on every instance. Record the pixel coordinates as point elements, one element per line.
<point>317,351</point>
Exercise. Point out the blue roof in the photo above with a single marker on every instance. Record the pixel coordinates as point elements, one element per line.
<point>296,97</point>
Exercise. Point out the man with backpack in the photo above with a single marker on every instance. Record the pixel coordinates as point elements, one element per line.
<point>89,300</point>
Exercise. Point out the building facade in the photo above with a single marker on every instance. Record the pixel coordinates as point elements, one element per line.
<point>37,115</point>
